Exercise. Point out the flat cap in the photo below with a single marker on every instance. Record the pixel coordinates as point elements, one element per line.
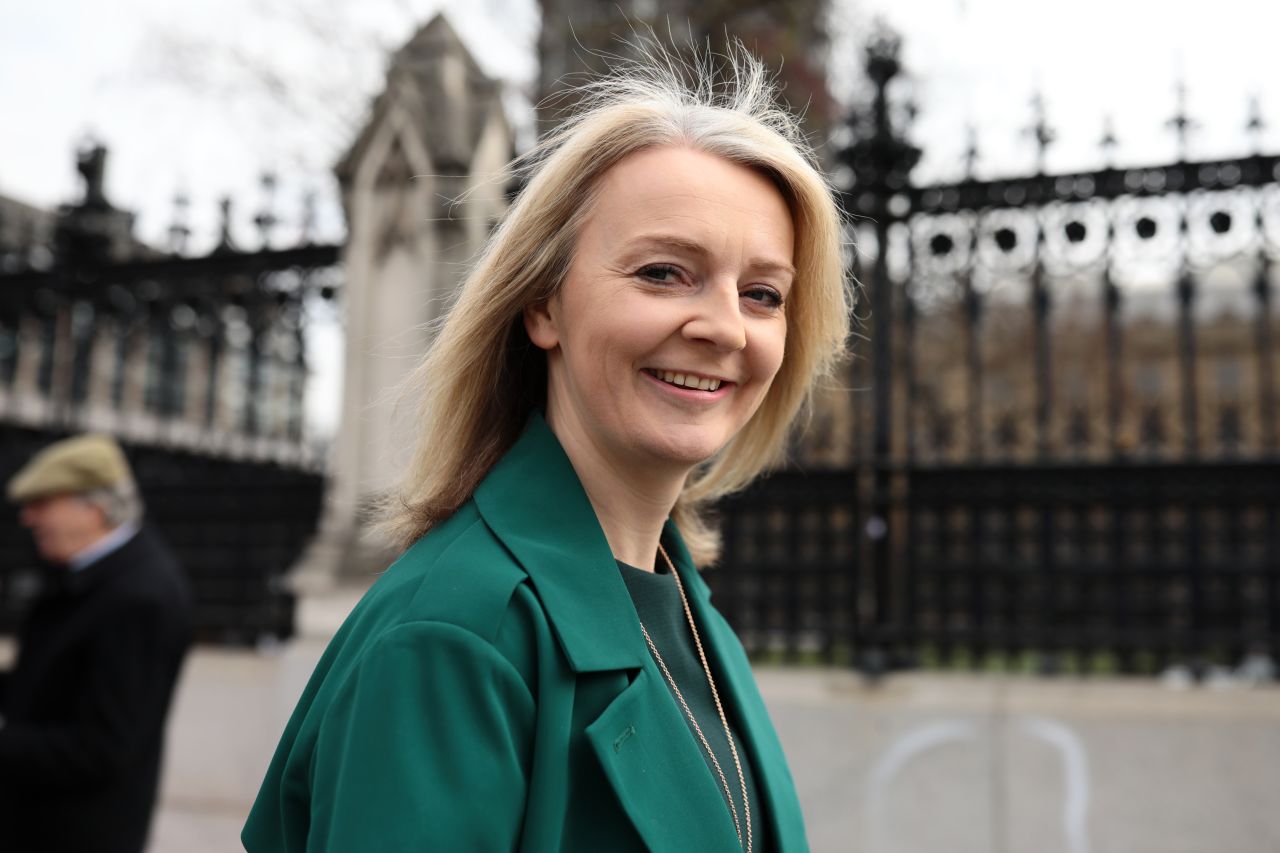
<point>71,466</point>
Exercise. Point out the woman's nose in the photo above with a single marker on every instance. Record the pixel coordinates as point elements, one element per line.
<point>718,318</point>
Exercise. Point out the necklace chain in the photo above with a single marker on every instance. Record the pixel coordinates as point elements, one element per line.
<point>724,721</point>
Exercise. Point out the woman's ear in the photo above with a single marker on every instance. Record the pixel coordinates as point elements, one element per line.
<point>540,325</point>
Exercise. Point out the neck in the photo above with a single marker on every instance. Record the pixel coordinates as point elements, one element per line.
<point>100,543</point>
<point>631,499</point>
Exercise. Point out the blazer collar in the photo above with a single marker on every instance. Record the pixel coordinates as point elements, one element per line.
<point>533,501</point>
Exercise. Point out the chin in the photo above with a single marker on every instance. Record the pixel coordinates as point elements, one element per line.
<point>690,450</point>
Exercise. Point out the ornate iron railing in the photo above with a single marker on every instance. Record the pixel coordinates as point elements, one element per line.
<point>1064,427</point>
<point>198,364</point>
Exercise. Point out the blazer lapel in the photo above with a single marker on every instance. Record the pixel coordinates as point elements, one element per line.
<point>738,691</point>
<point>533,501</point>
<point>656,769</point>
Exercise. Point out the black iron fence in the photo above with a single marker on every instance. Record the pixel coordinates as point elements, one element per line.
<point>1085,567</point>
<point>1063,450</point>
<point>1125,567</point>
<point>790,585</point>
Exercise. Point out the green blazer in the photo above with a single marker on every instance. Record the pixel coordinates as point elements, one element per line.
<point>493,692</point>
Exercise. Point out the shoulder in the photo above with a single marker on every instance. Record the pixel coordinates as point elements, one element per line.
<point>458,574</point>
<point>458,580</point>
<point>148,571</point>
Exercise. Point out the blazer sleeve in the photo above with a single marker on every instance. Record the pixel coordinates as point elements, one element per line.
<point>426,747</point>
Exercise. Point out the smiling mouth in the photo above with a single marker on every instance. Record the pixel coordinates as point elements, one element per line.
<point>685,380</point>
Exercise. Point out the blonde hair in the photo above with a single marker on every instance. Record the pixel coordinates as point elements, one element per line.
<point>482,377</point>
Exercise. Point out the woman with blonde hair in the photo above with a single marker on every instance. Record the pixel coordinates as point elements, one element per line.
<point>543,669</point>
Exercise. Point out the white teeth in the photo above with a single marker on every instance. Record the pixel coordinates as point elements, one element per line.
<point>687,380</point>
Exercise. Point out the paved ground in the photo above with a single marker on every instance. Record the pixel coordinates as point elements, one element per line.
<point>921,763</point>
<point>990,765</point>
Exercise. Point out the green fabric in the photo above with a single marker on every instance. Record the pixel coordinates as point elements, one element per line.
<point>657,602</point>
<point>492,692</point>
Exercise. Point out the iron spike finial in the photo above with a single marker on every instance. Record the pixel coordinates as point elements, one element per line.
<point>1181,123</point>
<point>1040,130</point>
<point>179,230</point>
<point>225,243</point>
<point>910,112</point>
<point>883,51</point>
<point>971,152</point>
<point>265,220</point>
<point>1255,124</point>
<point>91,163</point>
<point>1109,143</point>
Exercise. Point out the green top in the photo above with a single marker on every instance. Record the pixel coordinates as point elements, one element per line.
<point>493,693</point>
<point>657,601</point>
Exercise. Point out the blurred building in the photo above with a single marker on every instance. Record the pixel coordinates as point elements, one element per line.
<point>99,331</point>
<point>580,38</point>
<point>196,363</point>
<point>23,228</point>
<point>1229,415</point>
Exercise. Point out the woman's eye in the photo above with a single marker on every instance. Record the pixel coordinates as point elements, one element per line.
<point>659,272</point>
<point>766,296</point>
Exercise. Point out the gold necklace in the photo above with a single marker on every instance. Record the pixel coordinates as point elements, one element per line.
<point>724,721</point>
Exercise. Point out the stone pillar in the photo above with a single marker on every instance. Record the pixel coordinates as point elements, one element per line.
<point>64,349</point>
<point>197,385</point>
<point>437,131</point>
<point>26,401</point>
<point>136,419</point>
<point>100,414</point>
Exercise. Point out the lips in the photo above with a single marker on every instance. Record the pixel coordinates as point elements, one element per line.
<point>692,381</point>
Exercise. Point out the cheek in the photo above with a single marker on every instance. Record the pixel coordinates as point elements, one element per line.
<point>625,332</point>
<point>76,522</point>
<point>770,347</point>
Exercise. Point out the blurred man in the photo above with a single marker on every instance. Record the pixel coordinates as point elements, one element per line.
<point>84,709</point>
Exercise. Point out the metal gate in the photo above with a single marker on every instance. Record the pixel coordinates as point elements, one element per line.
<point>1064,442</point>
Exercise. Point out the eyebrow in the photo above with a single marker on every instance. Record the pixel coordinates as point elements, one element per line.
<point>691,247</point>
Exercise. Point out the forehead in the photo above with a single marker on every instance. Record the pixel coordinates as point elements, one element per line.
<point>701,195</point>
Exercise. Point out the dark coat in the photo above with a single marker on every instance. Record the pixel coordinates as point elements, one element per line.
<point>493,693</point>
<point>85,706</point>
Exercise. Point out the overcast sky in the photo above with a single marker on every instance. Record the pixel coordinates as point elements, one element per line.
<point>171,89</point>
